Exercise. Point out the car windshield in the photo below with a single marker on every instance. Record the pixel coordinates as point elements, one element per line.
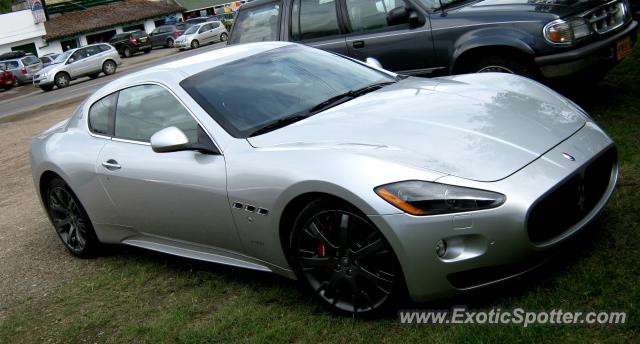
<point>290,82</point>
<point>192,30</point>
<point>63,57</point>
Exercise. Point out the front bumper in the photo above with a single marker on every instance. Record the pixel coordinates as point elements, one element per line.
<point>182,44</point>
<point>489,246</point>
<point>599,54</point>
<point>40,80</point>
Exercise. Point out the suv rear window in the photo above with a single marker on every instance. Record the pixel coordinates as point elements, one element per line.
<point>314,19</point>
<point>139,34</point>
<point>256,24</point>
<point>119,36</point>
<point>30,60</point>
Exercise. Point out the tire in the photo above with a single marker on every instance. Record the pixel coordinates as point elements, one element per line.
<point>70,220</point>
<point>94,75</point>
<point>127,52</point>
<point>46,88</point>
<point>499,64</point>
<point>223,37</point>
<point>146,51</point>
<point>195,44</point>
<point>109,67</point>
<point>344,259</point>
<point>62,80</point>
<point>169,43</point>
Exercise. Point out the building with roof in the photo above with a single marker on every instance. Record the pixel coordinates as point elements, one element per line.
<point>76,23</point>
<point>21,28</point>
<point>99,23</point>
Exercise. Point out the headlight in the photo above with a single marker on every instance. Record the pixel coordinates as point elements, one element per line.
<point>566,32</point>
<point>427,198</point>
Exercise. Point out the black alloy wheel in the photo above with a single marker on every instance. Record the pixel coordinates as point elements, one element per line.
<point>344,259</point>
<point>69,219</point>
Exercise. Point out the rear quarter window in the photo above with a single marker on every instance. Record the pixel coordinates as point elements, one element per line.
<point>30,60</point>
<point>256,24</point>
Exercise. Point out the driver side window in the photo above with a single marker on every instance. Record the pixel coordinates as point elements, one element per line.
<point>144,110</point>
<point>367,15</point>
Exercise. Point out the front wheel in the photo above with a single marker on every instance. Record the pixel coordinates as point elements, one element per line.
<point>70,220</point>
<point>62,80</point>
<point>109,67</point>
<point>344,258</point>
<point>499,64</point>
<point>195,44</point>
<point>223,37</point>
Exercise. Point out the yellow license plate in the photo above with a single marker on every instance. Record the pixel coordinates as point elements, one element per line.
<point>34,68</point>
<point>623,48</point>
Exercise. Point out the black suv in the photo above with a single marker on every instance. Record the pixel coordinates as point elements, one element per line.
<point>131,42</point>
<point>536,38</point>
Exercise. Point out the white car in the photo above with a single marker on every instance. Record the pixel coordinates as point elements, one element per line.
<point>197,35</point>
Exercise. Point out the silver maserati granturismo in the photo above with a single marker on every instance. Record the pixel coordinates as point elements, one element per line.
<point>363,184</point>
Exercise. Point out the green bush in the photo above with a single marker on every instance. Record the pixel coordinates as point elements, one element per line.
<point>227,23</point>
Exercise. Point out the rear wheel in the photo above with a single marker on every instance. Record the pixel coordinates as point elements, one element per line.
<point>146,51</point>
<point>109,67</point>
<point>499,64</point>
<point>344,258</point>
<point>70,219</point>
<point>127,52</point>
<point>195,44</point>
<point>169,43</point>
<point>62,80</point>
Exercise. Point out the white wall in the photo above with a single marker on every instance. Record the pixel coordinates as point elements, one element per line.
<point>149,25</point>
<point>17,28</point>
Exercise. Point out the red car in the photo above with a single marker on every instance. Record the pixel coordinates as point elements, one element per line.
<point>6,79</point>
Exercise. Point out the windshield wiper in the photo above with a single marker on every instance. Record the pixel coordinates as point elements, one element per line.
<point>341,98</point>
<point>279,124</point>
<point>331,102</point>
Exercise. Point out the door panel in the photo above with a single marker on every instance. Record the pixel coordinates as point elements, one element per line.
<point>179,195</point>
<point>399,48</point>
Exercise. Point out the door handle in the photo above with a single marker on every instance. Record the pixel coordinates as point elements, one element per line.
<point>111,165</point>
<point>358,44</point>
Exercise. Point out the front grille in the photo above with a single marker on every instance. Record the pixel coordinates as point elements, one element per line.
<point>572,200</point>
<point>606,18</point>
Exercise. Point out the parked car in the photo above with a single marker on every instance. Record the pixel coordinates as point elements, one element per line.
<point>22,68</point>
<point>547,39</point>
<point>6,78</point>
<point>165,35</point>
<point>199,34</point>
<point>48,59</point>
<point>131,42</point>
<point>90,61</point>
<point>362,183</point>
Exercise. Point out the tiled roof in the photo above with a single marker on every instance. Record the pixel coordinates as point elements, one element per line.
<point>106,16</point>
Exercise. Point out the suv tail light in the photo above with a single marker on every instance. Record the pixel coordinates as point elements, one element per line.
<point>133,40</point>
<point>24,71</point>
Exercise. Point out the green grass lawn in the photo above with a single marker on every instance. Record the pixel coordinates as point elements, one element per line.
<point>130,295</point>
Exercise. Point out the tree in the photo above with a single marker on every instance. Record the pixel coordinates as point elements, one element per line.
<point>5,6</point>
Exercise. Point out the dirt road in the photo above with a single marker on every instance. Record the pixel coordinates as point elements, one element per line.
<point>32,261</point>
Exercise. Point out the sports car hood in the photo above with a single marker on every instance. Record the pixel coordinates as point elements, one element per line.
<point>482,127</point>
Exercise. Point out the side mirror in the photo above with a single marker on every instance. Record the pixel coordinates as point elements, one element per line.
<point>71,60</point>
<point>398,15</point>
<point>373,63</point>
<point>169,139</point>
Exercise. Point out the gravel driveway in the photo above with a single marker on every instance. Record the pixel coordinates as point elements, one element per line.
<point>32,261</point>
